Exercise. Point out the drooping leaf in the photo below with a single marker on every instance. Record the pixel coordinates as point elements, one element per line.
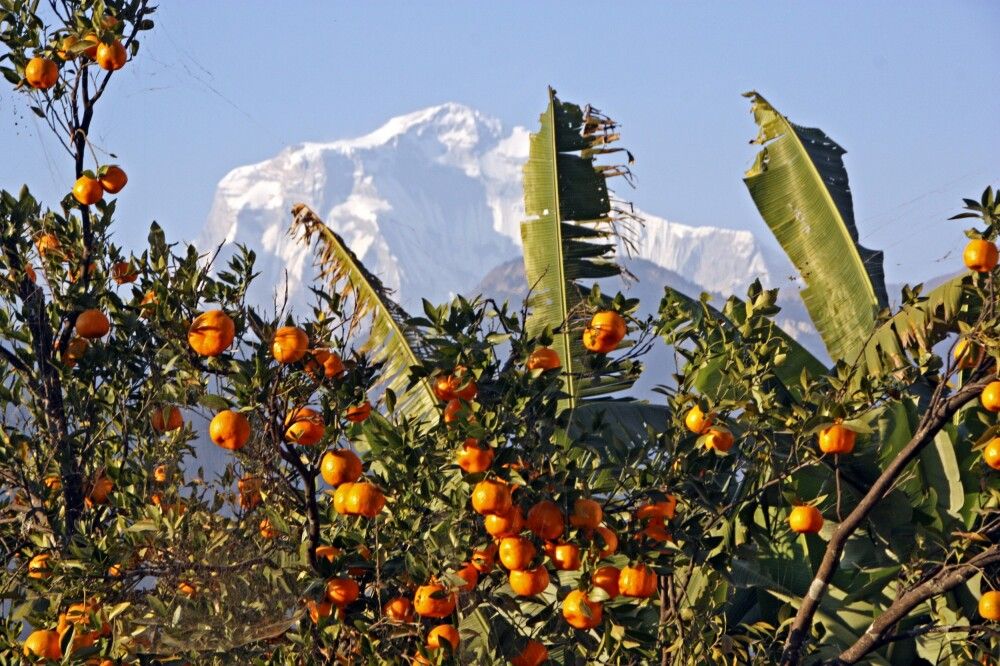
<point>390,340</point>
<point>799,184</point>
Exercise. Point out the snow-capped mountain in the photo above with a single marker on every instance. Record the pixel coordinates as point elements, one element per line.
<point>431,202</point>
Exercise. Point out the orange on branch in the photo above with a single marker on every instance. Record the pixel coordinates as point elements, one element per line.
<point>304,426</point>
<point>211,333</point>
<point>41,73</point>
<point>230,430</point>
<point>88,191</point>
<point>92,323</point>
<point>289,344</point>
<point>339,466</point>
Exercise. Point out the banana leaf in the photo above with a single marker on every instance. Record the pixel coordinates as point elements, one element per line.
<point>390,340</point>
<point>799,184</point>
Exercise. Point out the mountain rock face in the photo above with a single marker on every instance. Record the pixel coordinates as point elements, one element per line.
<point>431,202</point>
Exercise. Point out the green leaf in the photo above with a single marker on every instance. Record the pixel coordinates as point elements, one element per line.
<point>799,184</point>
<point>391,340</point>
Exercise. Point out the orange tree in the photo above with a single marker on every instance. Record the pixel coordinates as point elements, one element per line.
<point>468,485</point>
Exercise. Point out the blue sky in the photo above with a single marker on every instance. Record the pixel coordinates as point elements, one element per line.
<point>909,89</point>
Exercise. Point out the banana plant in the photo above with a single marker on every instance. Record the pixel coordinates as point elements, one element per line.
<point>390,339</point>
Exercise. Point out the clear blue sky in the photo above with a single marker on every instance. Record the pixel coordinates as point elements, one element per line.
<point>909,89</point>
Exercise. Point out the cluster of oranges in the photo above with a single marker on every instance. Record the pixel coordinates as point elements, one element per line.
<point>85,619</point>
<point>42,73</point>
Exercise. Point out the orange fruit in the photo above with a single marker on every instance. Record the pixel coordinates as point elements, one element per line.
<point>65,45</point>
<point>516,552</point>
<point>229,429</point>
<point>87,190</point>
<point>41,73</point>
<point>289,344</point>
<point>533,654</point>
<point>267,530</point>
<point>544,358</point>
<point>967,353</point>
<point>980,255</point>
<point>473,459</point>
<point>587,513</point>
<point>328,553</point>
<point>989,606</point>
<point>358,413</point>
<point>160,473</point>
<point>606,578</point>
<point>453,411</point>
<point>665,509</point>
<point>189,590</point>
<point>566,556</point>
<point>991,397</point>
<point>604,332</point>
<point>166,418</point>
<point>52,482</point>
<point>327,362</point>
<point>505,524</point>
<point>805,520</point>
<point>211,333</point>
<point>719,439</point>
<point>470,575</point>
<point>491,497</point>
<point>608,541</point>
<point>304,426</point>
<point>399,610</point>
<point>991,454</point>
<point>342,591</point>
<point>39,566</point>
<point>580,612</point>
<point>92,323</point>
<point>697,421</point>
<point>75,349</point>
<point>365,499</point>
<point>319,610</point>
<point>483,559</point>
<point>529,582</point>
<point>657,531</point>
<point>44,644</point>
<point>47,243</point>
<point>433,600</point>
<point>100,490</point>
<point>114,571</point>
<point>546,520</point>
<point>339,466</point>
<point>836,439</point>
<point>340,497</point>
<point>638,581</point>
<point>113,179</point>
<point>111,56</point>
<point>122,273</point>
<point>441,634</point>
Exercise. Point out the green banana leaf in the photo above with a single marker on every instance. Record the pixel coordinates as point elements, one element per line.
<point>391,341</point>
<point>569,236</point>
<point>799,184</point>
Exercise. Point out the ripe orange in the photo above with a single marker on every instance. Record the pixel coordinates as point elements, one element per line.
<point>991,397</point>
<point>505,524</point>
<point>967,353</point>
<point>580,612</point>
<point>697,421</point>
<point>364,499</point>
<point>92,323</point>
<point>46,243</point>
<point>491,497</point>
<point>605,331</point>
<point>399,610</point>
<point>123,273</point>
<point>342,591</point>
<point>328,553</point>
<point>100,490</point>
<point>319,610</point>
<point>473,459</point>
<point>44,644</point>
<point>546,520</point>
<point>441,634</point>
<point>637,581</point>
<point>327,362</point>
<point>719,439</point>
<point>533,654</point>
<point>529,582</point>
<point>566,556</point>
<point>433,600</point>
<point>358,413</point>
<point>65,45</point>
<point>230,430</point>
<point>991,454</point>
<point>608,541</point>
<point>41,73</point>
<point>304,426</point>
<point>836,439</point>
<point>166,418</point>
<point>340,497</point>
<point>114,571</point>
<point>211,333</point>
<point>87,190</point>
<point>980,255</point>
<point>989,606</point>
<point>111,56</point>
<point>91,38</point>
<point>656,530</point>
<point>805,520</point>
<point>75,349</point>
<point>484,559</point>
<point>39,566</point>
<point>665,509</point>
<point>544,358</point>
<point>587,513</point>
<point>606,578</point>
<point>189,590</point>
<point>289,344</point>
<point>470,575</point>
<point>454,410</point>
<point>113,179</point>
<point>267,530</point>
<point>516,552</point>
<point>339,466</point>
